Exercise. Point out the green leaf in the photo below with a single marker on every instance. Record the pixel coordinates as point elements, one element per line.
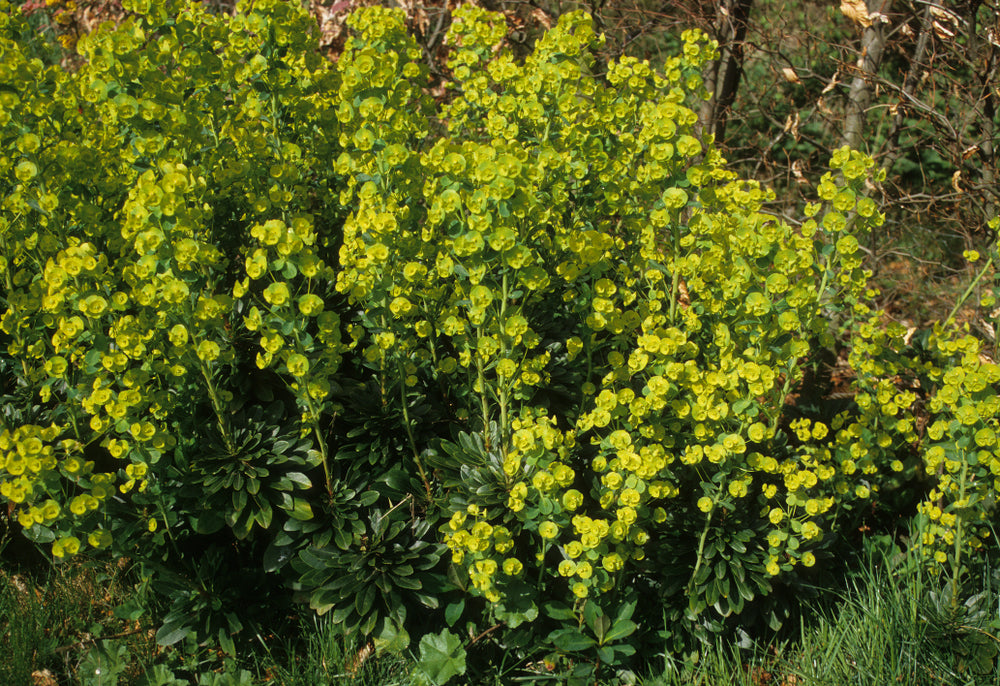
<point>571,640</point>
<point>343,539</point>
<point>171,633</point>
<point>299,479</point>
<point>265,514</point>
<point>208,523</point>
<point>315,557</point>
<point>226,642</point>
<point>239,500</point>
<point>442,656</point>
<point>743,588</point>
<point>454,611</point>
<point>342,613</point>
<point>558,611</point>
<point>407,583</point>
<point>621,629</point>
<point>740,406</point>
<point>606,654</point>
<point>300,510</point>
<point>39,534</point>
<point>392,639</point>
<point>364,600</point>
<point>276,557</point>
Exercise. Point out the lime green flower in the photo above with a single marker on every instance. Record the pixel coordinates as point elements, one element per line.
<point>310,304</point>
<point>512,566</point>
<point>298,365</point>
<point>66,546</point>
<point>277,293</point>
<point>548,530</point>
<point>208,351</point>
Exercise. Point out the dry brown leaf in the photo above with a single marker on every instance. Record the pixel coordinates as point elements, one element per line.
<point>542,17</point>
<point>856,11</point>
<point>43,678</point>
<point>943,14</point>
<point>945,22</point>
<point>834,80</point>
<point>790,75</point>
<point>355,663</point>
<point>792,125</point>
<point>797,172</point>
<point>942,32</point>
<point>991,332</point>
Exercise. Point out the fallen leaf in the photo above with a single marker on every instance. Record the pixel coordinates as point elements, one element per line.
<point>43,678</point>
<point>359,659</point>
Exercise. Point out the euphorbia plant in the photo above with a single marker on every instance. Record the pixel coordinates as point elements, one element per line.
<point>306,315</point>
<point>627,325</point>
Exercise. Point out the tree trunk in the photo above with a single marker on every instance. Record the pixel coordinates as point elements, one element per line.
<point>892,150</point>
<point>722,76</point>
<point>860,95</point>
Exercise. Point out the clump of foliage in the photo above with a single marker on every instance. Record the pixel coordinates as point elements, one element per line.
<point>527,351</point>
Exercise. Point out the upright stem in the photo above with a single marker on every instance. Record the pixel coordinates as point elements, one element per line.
<point>541,566</point>
<point>409,433</point>
<point>481,379</point>
<point>676,285</point>
<point>324,453</point>
<point>701,543</point>
<point>956,565</point>
<point>314,419</point>
<point>217,406</point>
<point>968,291</point>
<point>502,384</point>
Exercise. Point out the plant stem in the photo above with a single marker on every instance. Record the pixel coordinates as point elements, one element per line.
<point>481,379</point>
<point>409,433</point>
<point>956,565</point>
<point>968,291</point>
<point>541,566</point>
<point>314,420</point>
<point>217,407</point>
<point>502,383</point>
<point>676,285</point>
<point>324,453</point>
<point>701,543</point>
